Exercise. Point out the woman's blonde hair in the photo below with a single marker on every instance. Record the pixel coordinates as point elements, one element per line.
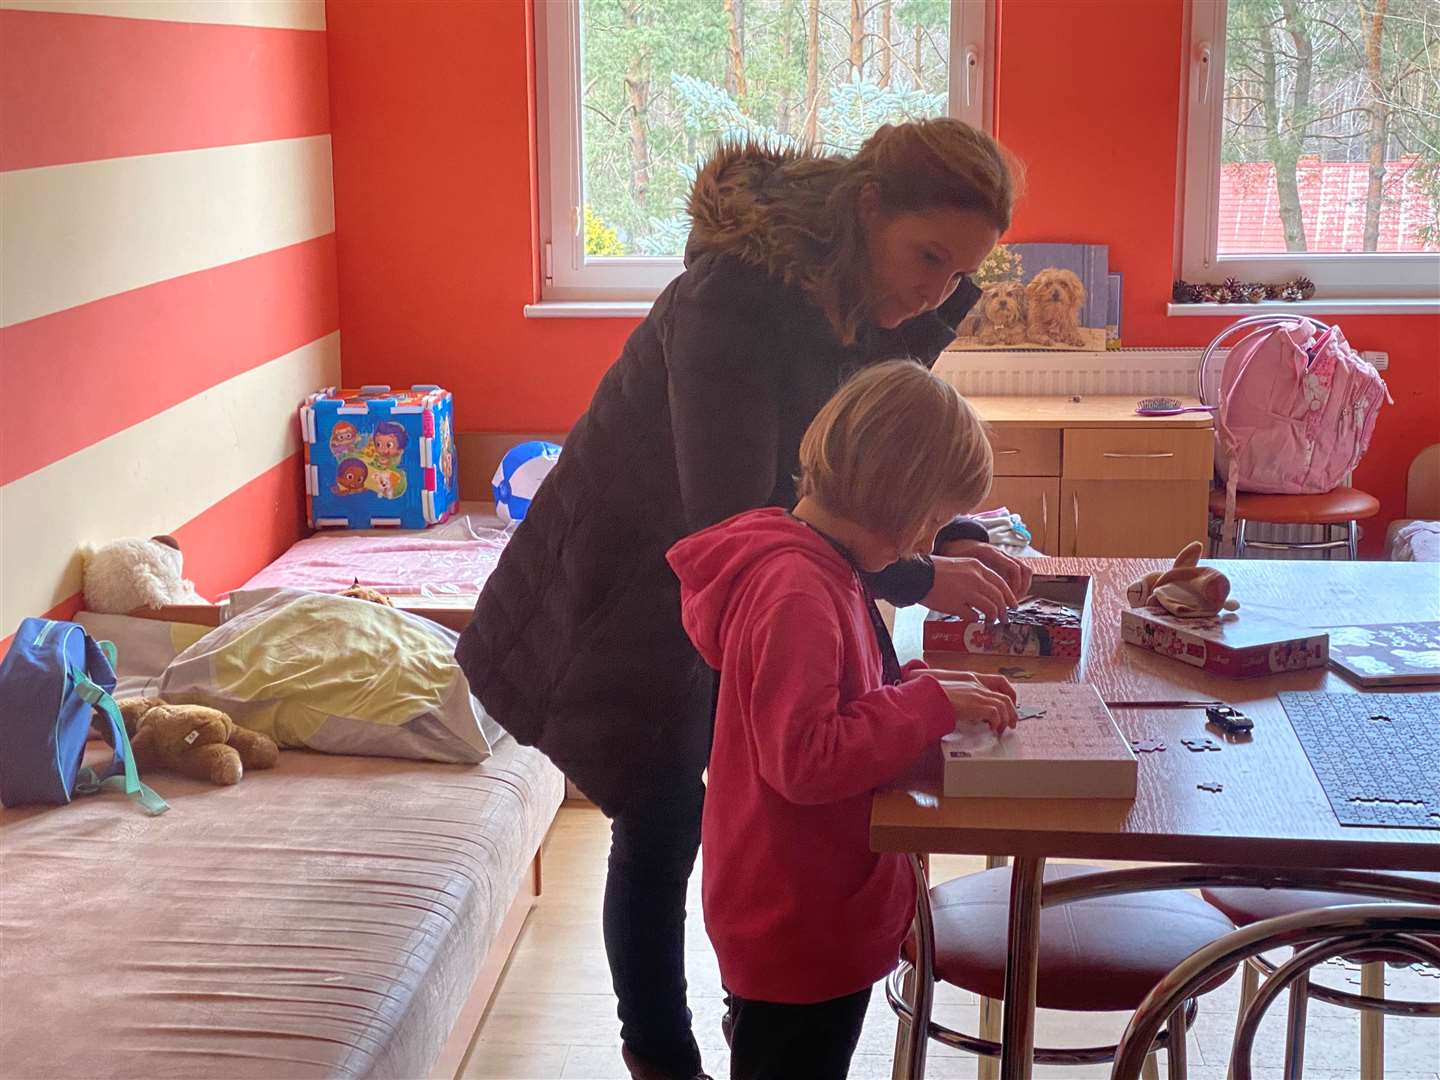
<point>914,167</point>
<point>893,444</point>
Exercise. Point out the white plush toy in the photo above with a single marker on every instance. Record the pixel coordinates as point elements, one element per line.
<point>132,573</point>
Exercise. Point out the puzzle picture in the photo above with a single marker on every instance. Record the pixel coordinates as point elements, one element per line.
<point>1050,621</point>
<point>1388,655</point>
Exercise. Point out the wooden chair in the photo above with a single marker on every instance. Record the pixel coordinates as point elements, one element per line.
<point>1344,508</point>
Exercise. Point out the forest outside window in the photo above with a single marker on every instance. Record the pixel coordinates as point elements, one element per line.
<point>1313,145</point>
<point>634,94</point>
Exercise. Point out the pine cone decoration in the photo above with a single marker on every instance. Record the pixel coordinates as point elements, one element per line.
<point>1223,295</point>
<point>1290,293</point>
<point>1306,287</point>
<point>1254,293</point>
<point>1272,292</point>
<point>1204,294</point>
<point>1232,285</point>
<point>1182,292</point>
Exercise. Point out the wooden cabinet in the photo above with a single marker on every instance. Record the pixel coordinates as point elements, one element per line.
<point>1092,478</point>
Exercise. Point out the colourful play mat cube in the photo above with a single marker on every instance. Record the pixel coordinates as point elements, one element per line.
<point>379,458</point>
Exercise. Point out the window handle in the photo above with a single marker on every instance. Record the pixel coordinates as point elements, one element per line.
<point>972,69</point>
<point>1204,60</point>
<point>1164,454</point>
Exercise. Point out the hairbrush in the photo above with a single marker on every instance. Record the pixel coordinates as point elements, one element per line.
<point>1167,406</point>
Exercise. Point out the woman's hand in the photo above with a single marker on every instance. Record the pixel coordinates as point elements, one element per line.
<point>989,699</point>
<point>963,585</point>
<point>1015,572</point>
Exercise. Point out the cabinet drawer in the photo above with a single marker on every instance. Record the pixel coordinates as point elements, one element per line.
<point>1021,451</point>
<point>1037,500</point>
<point>1139,454</point>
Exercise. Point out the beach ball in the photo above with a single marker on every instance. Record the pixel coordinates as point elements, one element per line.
<point>518,478</point>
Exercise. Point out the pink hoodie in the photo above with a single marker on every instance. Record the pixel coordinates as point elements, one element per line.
<point>798,907</point>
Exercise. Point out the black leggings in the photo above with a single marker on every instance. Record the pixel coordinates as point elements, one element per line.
<point>653,843</point>
<point>795,1042</point>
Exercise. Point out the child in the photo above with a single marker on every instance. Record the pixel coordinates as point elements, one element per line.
<point>814,713</point>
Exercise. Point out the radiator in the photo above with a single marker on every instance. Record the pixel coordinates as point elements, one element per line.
<point>1142,372</point>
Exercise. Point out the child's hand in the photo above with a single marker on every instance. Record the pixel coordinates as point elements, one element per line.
<point>965,584</point>
<point>989,699</point>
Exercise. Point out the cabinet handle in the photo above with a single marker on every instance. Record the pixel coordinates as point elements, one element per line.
<point>1163,454</point>
<point>1075,507</point>
<point>1003,453</point>
<point>1045,518</point>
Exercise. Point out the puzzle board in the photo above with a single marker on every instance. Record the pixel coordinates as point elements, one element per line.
<point>1388,655</point>
<point>1376,755</point>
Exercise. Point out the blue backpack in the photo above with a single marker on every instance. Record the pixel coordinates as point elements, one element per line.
<point>51,681</point>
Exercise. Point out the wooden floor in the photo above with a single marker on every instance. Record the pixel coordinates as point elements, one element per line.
<point>553,1016</point>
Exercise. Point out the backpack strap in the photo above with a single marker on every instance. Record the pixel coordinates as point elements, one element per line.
<point>121,772</point>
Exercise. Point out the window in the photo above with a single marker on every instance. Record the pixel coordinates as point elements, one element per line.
<point>634,94</point>
<point>1313,145</point>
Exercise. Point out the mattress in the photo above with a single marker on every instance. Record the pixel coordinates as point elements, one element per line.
<point>448,563</point>
<point>322,919</point>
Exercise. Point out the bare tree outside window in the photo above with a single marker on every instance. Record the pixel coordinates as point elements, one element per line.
<point>663,82</point>
<point>1331,130</point>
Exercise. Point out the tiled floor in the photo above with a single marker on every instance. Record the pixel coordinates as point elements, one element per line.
<point>554,1017</point>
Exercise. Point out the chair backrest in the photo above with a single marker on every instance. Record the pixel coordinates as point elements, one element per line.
<point>1422,485</point>
<point>1296,407</point>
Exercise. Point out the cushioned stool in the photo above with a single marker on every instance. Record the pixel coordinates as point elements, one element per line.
<point>1101,954</point>
<point>1344,508</point>
<point>1248,906</point>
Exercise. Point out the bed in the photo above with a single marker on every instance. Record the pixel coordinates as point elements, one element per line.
<point>334,917</point>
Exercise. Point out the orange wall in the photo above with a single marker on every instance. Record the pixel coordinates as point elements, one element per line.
<point>432,121</point>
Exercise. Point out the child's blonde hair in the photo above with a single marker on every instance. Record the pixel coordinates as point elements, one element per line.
<point>891,445</point>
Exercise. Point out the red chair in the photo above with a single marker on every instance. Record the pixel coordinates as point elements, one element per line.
<point>1344,508</point>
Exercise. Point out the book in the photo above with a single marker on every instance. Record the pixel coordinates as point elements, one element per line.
<point>1401,654</point>
<point>1238,644</point>
<point>1113,310</point>
<point>1050,621</point>
<point>1071,750</point>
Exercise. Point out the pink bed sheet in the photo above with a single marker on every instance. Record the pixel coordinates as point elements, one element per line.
<point>407,564</point>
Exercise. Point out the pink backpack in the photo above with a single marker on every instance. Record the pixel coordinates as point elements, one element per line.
<point>1295,408</point>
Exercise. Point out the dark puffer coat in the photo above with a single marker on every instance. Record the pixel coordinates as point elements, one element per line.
<point>576,644</point>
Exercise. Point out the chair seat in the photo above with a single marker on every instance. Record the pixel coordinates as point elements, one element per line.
<point>1247,906</point>
<point>1330,508</point>
<point>1096,955</point>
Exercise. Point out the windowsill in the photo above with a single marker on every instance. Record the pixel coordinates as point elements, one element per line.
<point>1357,306</point>
<point>588,309</point>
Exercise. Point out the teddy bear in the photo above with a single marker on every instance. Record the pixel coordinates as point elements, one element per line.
<point>134,572</point>
<point>365,592</point>
<point>1187,590</point>
<point>200,742</point>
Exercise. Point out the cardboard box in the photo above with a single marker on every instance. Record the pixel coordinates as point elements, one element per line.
<point>1073,751</point>
<point>1238,644</point>
<point>950,633</point>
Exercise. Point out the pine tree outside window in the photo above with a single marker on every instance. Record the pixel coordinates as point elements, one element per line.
<point>634,94</point>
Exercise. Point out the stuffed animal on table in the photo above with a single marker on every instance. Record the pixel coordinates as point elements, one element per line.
<point>1186,590</point>
<point>202,743</point>
<point>132,573</point>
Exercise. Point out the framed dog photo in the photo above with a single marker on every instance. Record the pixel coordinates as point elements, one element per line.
<point>1041,296</point>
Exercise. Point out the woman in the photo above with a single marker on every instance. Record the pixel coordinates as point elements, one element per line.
<point>799,270</point>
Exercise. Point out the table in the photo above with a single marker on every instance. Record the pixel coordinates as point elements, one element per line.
<point>1272,814</point>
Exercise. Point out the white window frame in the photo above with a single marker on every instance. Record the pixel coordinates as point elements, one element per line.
<point>572,284</point>
<point>1393,276</point>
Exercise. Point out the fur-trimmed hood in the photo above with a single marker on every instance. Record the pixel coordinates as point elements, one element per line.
<point>767,207</point>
